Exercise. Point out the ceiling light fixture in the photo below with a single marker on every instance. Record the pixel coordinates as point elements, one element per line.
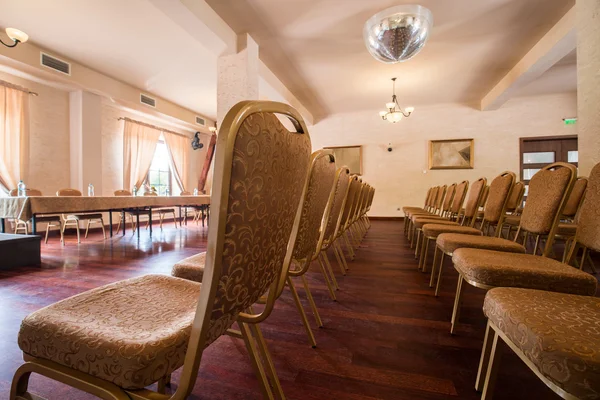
<point>394,114</point>
<point>16,36</point>
<point>398,33</point>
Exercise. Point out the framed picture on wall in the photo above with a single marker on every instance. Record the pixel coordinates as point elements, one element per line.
<point>451,154</point>
<point>351,156</point>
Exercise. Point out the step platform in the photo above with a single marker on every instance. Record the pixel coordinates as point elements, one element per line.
<point>19,250</point>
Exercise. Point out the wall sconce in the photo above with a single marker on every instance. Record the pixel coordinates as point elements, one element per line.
<point>16,36</point>
<point>213,129</point>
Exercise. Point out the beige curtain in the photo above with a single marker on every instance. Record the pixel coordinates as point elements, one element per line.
<point>14,135</point>
<point>139,145</point>
<point>179,149</point>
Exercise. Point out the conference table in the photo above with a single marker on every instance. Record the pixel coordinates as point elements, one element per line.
<point>28,208</point>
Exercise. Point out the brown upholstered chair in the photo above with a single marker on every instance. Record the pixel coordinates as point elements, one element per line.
<point>556,335</point>
<point>494,212</point>
<point>131,213</point>
<point>486,269</point>
<point>50,220</point>
<point>150,326</point>
<point>418,219</point>
<point>320,191</point>
<point>73,219</point>
<point>430,203</point>
<point>162,211</point>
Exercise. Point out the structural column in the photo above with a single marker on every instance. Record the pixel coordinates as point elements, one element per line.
<point>85,128</point>
<point>237,80</point>
<point>588,83</point>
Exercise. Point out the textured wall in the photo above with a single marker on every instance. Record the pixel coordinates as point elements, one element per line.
<point>588,83</point>
<point>399,176</point>
<point>49,136</point>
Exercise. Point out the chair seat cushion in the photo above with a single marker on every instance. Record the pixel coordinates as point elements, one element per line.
<point>131,332</point>
<point>558,333</point>
<point>566,229</point>
<point>497,268</point>
<point>422,214</point>
<point>432,231</point>
<point>450,242</point>
<point>47,218</point>
<point>191,268</point>
<point>422,221</point>
<point>84,217</point>
<point>165,210</point>
<point>512,220</point>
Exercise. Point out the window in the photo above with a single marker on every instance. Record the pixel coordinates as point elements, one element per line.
<point>159,175</point>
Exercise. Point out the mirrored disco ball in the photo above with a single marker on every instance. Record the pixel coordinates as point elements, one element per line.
<point>398,33</point>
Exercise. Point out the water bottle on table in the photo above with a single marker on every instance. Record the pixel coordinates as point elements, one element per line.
<point>91,190</point>
<point>21,189</point>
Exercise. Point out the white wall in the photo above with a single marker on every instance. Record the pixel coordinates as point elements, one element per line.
<point>401,177</point>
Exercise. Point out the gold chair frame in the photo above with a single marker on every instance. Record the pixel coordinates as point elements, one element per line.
<point>248,320</point>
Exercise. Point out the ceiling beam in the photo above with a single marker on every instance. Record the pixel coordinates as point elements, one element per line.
<point>198,19</point>
<point>558,42</point>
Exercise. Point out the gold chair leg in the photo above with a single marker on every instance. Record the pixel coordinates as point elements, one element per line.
<point>330,270</point>
<point>266,356</point>
<point>485,357</point>
<point>337,244</point>
<point>311,301</point>
<point>418,244</point>
<point>434,265</point>
<point>119,224</point>
<point>457,304</point>
<point>592,265</point>
<point>257,366</point>
<point>78,235</point>
<point>348,246</point>
<point>160,219</point>
<point>583,254</point>
<point>492,369</point>
<point>424,251</point>
<point>439,279</point>
<point>102,226</point>
<point>309,332</point>
<point>47,232</point>
<point>339,260</point>
<point>326,276</point>
<point>537,243</point>
<point>175,219</point>
<point>87,228</point>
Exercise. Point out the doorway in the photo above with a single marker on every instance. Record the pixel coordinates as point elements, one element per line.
<point>537,152</point>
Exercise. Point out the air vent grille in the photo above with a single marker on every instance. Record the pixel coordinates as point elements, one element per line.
<point>55,64</point>
<point>200,121</point>
<point>149,101</point>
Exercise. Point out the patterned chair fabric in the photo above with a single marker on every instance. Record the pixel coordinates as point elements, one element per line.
<point>588,232</point>
<point>190,268</point>
<point>502,269</point>
<point>134,332</point>
<point>575,198</point>
<point>449,242</point>
<point>498,195</point>
<point>434,230</point>
<point>557,332</point>
<point>516,197</point>
<point>335,215</point>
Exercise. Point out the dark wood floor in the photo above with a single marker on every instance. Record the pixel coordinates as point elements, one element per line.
<point>387,337</point>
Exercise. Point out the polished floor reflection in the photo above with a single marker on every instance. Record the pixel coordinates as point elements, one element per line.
<point>386,337</point>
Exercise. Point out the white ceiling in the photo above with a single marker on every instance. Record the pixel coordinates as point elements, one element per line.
<point>316,48</point>
<point>130,40</point>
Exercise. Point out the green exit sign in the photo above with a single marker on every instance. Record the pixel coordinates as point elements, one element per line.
<point>570,121</point>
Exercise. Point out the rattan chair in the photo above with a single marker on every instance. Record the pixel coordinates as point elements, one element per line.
<point>556,335</point>
<point>152,325</point>
<point>50,220</point>
<point>73,219</point>
<point>549,190</point>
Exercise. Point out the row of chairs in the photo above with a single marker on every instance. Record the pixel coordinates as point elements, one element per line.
<point>542,308</point>
<point>63,221</point>
<point>276,208</point>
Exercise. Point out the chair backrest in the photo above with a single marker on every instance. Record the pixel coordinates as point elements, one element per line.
<point>498,193</point>
<point>516,197</point>
<point>449,197</point>
<point>439,201</point>
<point>334,221</point>
<point>474,200</point>
<point>357,202</point>
<point>260,171</point>
<point>484,196</point>
<point>576,197</point>
<point>588,226</point>
<point>150,193</point>
<point>549,189</point>
<point>432,198</point>
<point>28,192</point>
<point>353,192</point>
<point>317,202</point>
<point>122,192</point>
<point>68,192</point>
<point>185,193</point>
<point>459,197</point>
<point>427,197</point>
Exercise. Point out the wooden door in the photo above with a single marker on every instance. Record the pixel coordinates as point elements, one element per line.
<point>537,152</point>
